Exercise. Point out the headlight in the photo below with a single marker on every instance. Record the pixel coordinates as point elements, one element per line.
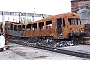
<point>73,31</point>
<point>82,30</point>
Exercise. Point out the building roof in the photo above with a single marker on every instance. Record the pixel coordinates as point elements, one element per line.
<point>80,0</point>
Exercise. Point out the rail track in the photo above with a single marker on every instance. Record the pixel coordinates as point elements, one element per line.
<point>54,49</point>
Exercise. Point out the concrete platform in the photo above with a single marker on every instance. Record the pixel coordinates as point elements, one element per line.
<point>78,48</point>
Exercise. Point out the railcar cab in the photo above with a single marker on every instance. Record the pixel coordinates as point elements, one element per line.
<point>75,26</point>
<point>68,24</point>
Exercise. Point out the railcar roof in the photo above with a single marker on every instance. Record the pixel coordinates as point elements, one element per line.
<point>18,24</point>
<point>58,16</point>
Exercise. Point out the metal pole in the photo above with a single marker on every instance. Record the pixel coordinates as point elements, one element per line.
<point>19,17</point>
<point>34,15</point>
<point>3,20</point>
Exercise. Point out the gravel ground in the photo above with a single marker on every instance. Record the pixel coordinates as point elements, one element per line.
<point>19,52</point>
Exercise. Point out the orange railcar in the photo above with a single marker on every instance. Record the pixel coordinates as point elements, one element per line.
<point>61,26</point>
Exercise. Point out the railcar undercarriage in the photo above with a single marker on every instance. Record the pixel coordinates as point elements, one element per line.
<point>48,47</point>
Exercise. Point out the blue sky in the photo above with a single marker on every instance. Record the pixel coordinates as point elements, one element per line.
<point>51,7</point>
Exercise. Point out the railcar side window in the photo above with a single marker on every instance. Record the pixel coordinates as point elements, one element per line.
<point>19,28</point>
<point>15,27</point>
<point>28,27</point>
<point>23,27</point>
<point>8,27</point>
<point>48,24</point>
<point>41,25</point>
<point>11,27</point>
<point>35,26</point>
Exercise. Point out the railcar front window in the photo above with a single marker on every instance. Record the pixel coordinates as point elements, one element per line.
<point>78,22</point>
<point>71,21</point>
<point>74,21</point>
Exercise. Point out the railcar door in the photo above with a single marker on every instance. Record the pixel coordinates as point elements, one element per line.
<point>59,28</point>
<point>64,29</point>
